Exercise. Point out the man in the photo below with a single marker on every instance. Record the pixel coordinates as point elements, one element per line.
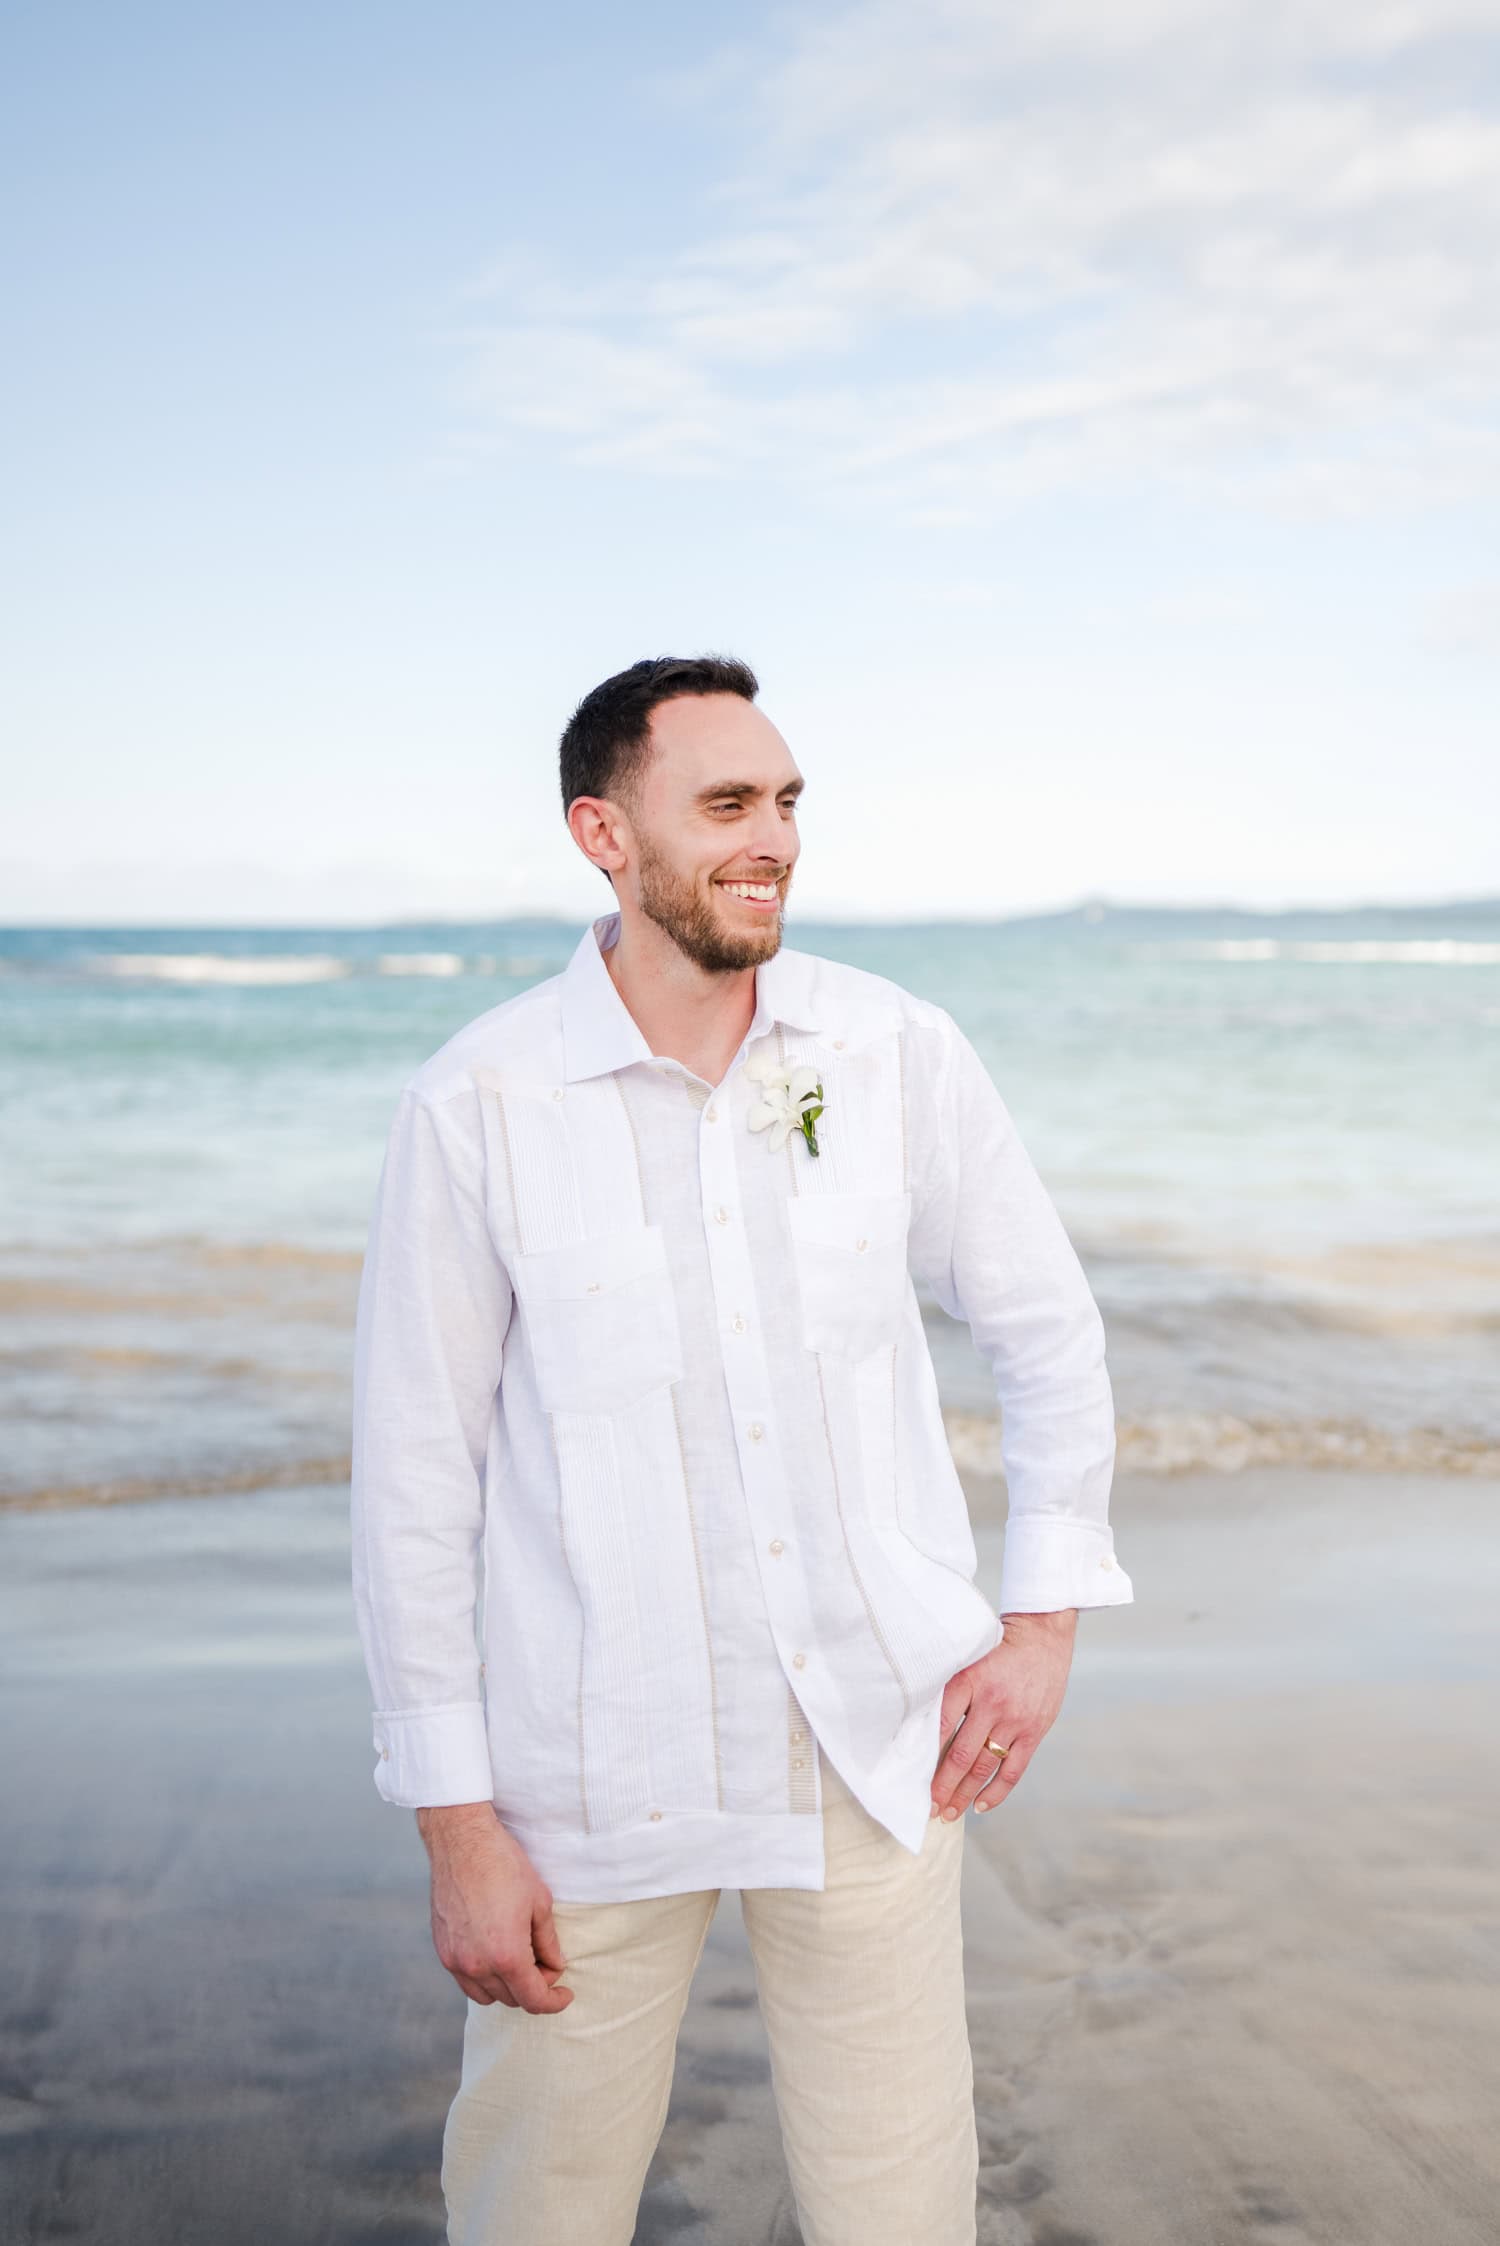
<point>637,1331</point>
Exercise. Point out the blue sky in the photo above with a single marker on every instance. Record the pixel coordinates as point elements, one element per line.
<point>1084,420</point>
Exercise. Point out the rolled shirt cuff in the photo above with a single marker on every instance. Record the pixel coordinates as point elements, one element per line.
<point>427,1758</point>
<point>1051,1563</point>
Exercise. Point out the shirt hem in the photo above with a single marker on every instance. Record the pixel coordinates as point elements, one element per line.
<point>678,1854</point>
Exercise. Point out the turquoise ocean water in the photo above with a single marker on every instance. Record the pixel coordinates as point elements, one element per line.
<point>1273,1139</point>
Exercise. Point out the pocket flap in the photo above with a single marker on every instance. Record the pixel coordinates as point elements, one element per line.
<point>850,1220</point>
<point>604,1261</point>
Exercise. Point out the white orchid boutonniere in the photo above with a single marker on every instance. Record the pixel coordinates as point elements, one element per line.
<point>790,1099</point>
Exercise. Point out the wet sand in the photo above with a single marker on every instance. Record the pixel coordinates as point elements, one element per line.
<point>1233,1945</point>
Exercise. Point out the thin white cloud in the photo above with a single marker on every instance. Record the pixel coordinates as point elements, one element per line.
<point>1245,246</point>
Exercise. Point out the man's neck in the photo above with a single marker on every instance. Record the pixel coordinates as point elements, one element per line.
<point>684,1013</point>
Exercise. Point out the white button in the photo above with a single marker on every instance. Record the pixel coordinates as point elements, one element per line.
<point>737,1323</point>
<point>592,1287</point>
<point>798,1763</point>
<point>558,1092</point>
<point>721,1216</point>
<point>755,1431</point>
<point>776,1545</point>
<point>656,1816</point>
<point>1108,1560</point>
<point>712,1113</point>
<point>385,1754</point>
<point>861,1243</point>
<point>838,1044</point>
<point>798,1737</point>
<point>799,1660</point>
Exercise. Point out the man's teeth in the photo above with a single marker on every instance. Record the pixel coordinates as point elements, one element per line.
<point>765,890</point>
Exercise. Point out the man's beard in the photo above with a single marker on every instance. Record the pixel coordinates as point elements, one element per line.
<point>690,920</point>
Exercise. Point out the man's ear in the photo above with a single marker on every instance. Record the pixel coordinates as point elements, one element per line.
<point>596,823</point>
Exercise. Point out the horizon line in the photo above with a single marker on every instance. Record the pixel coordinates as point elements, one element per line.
<point>1090,907</point>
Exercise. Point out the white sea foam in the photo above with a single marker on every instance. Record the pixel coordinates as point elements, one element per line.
<point>220,967</point>
<point>1225,1443</point>
<point>297,967</point>
<point>422,963</point>
<point>1425,951</point>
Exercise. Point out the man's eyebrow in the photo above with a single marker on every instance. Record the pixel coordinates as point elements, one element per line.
<point>745,787</point>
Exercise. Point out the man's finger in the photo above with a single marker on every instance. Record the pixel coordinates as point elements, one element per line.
<point>991,1791</point>
<point>969,1767</point>
<point>958,1697</point>
<point>479,1991</point>
<point>958,1760</point>
<point>531,1991</point>
<point>547,1943</point>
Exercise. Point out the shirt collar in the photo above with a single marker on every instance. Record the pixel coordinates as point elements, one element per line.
<point>601,1034</point>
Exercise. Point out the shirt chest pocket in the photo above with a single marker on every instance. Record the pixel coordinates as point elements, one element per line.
<point>850,1253</point>
<point>602,1319</point>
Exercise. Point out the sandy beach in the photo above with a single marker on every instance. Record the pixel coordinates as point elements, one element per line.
<point>1232,1945</point>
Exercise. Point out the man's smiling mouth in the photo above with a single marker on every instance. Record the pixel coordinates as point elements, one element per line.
<point>753,892</point>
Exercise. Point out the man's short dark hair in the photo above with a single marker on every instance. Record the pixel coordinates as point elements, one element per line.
<point>607,741</point>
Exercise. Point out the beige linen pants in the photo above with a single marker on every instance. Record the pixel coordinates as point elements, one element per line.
<point>861,1990</point>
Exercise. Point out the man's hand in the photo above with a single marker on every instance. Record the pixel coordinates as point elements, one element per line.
<point>492,1923</point>
<point>1011,1695</point>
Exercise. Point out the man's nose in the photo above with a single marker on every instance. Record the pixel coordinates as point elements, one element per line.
<point>769,846</point>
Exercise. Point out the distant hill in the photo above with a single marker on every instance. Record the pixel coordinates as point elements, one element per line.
<point>1449,917</point>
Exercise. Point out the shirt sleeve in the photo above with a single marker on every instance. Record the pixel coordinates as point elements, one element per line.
<point>434,1303</point>
<point>989,1244</point>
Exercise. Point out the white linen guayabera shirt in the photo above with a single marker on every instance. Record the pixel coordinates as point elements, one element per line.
<point>669,1385</point>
